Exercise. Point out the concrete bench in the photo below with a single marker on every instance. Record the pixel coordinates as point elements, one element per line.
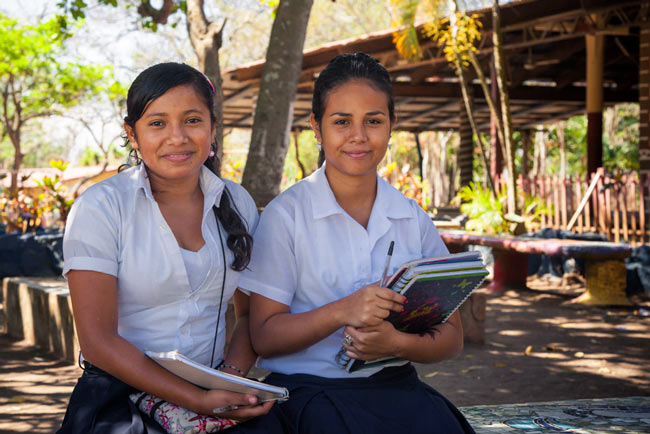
<point>604,262</point>
<point>39,312</point>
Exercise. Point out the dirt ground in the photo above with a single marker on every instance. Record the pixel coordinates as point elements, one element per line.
<point>539,347</point>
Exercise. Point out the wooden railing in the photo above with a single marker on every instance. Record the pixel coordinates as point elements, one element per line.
<point>616,205</point>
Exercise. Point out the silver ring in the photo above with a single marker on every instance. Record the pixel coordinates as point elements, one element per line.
<point>347,340</point>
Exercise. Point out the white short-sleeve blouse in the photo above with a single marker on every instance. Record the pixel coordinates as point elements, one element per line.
<point>309,252</point>
<point>116,227</point>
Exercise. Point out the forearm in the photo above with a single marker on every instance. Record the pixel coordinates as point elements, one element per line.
<point>443,342</point>
<point>240,350</point>
<point>285,332</point>
<point>124,361</point>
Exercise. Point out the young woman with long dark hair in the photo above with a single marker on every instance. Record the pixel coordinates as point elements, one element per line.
<point>152,257</point>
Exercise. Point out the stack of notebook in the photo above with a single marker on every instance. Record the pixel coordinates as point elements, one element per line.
<point>435,288</point>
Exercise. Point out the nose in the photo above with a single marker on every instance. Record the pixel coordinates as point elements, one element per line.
<point>177,133</point>
<point>358,132</point>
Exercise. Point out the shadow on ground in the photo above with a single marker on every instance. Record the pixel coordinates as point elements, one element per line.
<point>539,347</point>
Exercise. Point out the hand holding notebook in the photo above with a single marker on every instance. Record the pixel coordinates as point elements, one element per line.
<point>435,288</point>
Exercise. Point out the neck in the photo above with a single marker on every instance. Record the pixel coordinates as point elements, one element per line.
<point>177,190</point>
<point>356,195</point>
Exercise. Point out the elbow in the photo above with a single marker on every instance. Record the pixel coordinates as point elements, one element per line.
<point>260,344</point>
<point>458,348</point>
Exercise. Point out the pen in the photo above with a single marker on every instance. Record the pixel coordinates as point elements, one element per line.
<point>387,264</point>
<point>228,408</point>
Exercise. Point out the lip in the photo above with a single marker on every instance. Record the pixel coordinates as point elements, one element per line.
<point>357,155</point>
<point>178,156</point>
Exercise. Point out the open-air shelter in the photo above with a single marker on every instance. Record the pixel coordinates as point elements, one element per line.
<point>564,58</point>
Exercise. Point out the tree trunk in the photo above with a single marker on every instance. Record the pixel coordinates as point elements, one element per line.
<point>272,123</point>
<point>206,38</point>
<point>18,162</point>
<point>562,143</point>
<point>467,100</point>
<point>499,63</point>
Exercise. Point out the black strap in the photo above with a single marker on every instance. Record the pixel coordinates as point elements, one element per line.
<point>155,407</point>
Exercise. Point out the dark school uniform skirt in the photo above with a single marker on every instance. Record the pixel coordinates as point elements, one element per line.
<point>392,401</point>
<point>100,404</point>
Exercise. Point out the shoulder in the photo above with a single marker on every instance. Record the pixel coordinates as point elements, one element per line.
<point>292,201</point>
<point>400,204</point>
<point>111,191</point>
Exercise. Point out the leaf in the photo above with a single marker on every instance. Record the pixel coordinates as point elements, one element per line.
<point>499,364</point>
<point>17,399</point>
<point>431,374</point>
<point>528,350</point>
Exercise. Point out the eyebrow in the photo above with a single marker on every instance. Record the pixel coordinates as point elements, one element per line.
<point>186,112</point>
<point>372,113</point>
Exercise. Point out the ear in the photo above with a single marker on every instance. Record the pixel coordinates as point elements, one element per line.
<point>316,128</point>
<point>130,134</point>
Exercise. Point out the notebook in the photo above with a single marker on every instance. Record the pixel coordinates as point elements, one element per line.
<point>208,378</point>
<point>435,288</point>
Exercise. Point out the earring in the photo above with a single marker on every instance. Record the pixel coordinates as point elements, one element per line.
<point>132,158</point>
<point>211,154</point>
<point>390,145</point>
<point>319,147</point>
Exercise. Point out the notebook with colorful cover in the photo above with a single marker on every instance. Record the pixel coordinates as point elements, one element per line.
<point>435,288</point>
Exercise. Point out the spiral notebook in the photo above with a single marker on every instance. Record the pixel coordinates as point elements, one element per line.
<point>435,288</point>
<point>209,378</point>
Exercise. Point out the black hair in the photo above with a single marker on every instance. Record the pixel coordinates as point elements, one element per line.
<point>151,84</point>
<point>346,67</point>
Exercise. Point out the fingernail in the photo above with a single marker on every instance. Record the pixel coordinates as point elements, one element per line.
<point>405,301</point>
<point>252,400</point>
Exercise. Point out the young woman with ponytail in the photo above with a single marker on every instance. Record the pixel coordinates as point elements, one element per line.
<point>152,257</point>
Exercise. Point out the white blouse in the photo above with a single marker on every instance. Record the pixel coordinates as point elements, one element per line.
<point>116,227</point>
<point>309,252</point>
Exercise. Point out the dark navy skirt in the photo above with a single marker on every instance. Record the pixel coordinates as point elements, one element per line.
<point>392,401</point>
<point>100,404</point>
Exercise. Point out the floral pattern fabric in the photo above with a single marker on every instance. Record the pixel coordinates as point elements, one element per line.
<point>178,420</point>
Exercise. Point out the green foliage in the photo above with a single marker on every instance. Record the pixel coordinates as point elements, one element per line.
<point>90,157</point>
<point>485,212</point>
<point>36,82</point>
<point>55,197</point>
<point>621,138</point>
<point>273,4</point>
<point>76,9</point>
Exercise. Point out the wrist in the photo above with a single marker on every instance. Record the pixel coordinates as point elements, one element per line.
<point>399,342</point>
<point>230,369</point>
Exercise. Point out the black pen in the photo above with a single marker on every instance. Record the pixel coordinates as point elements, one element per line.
<point>387,264</point>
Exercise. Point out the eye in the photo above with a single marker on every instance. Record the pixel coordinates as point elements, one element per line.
<point>156,123</point>
<point>194,120</point>
<point>374,121</point>
<point>341,122</point>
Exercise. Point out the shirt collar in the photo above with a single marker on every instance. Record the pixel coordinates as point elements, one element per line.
<point>389,201</point>
<point>211,185</point>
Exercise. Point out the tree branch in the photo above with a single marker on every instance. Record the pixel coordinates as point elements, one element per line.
<point>159,16</point>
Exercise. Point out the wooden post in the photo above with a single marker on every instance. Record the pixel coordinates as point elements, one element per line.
<point>595,49</point>
<point>466,148</point>
<point>644,107</point>
<point>496,156</point>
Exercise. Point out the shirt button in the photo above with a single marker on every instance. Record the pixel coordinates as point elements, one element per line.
<point>162,227</point>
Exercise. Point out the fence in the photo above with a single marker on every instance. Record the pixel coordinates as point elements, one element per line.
<point>612,204</point>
